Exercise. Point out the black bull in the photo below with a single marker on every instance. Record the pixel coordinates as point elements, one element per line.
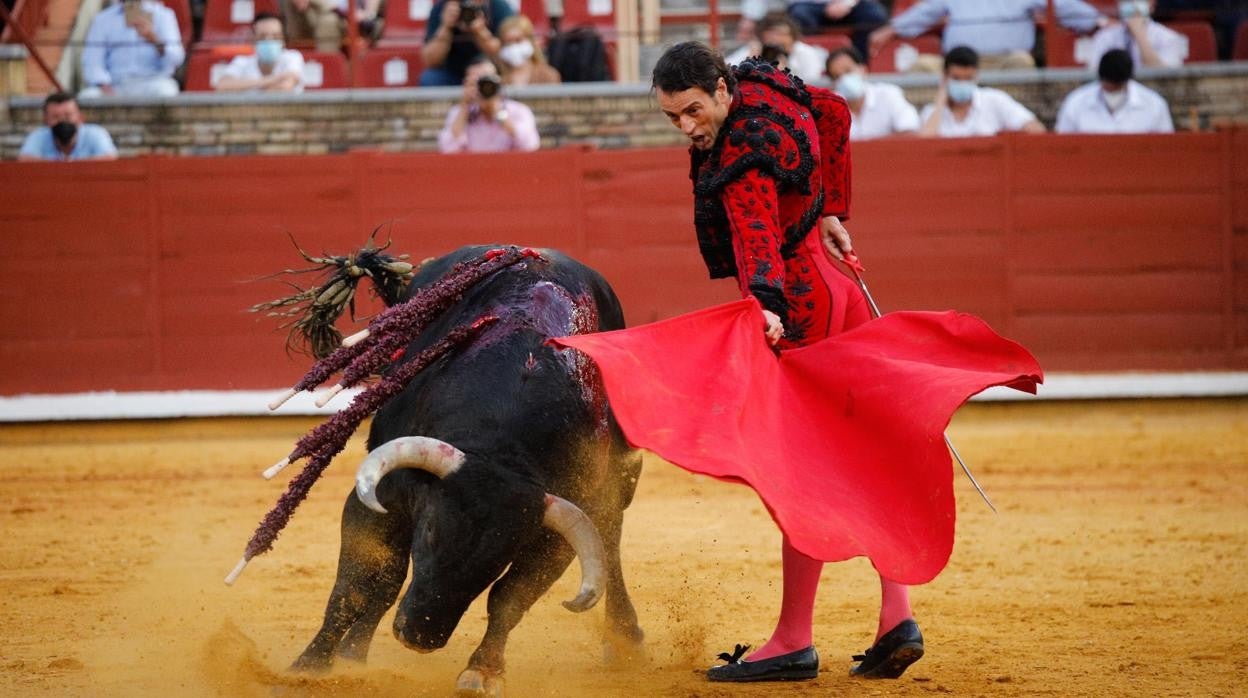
<point>530,420</point>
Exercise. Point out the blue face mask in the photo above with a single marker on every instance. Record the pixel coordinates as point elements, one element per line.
<point>851,86</point>
<point>960,91</point>
<point>1131,8</point>
<point>268,50</point>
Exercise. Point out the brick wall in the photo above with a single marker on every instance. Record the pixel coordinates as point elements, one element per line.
<point>605,115</point>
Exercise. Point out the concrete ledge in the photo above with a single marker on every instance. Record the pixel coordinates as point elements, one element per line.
<point>228,403</point>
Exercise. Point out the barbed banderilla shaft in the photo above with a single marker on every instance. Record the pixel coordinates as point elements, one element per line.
<point>855,266</point>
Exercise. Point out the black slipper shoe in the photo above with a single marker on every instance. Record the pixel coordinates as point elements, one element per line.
<point>892,653</point>
<point>801,665</point>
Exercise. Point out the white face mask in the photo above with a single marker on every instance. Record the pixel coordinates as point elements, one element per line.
<point>517,54</point>
<point>1115,100</point>
<point>851,86</point>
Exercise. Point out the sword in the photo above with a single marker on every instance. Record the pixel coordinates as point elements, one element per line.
<point>851,261</point>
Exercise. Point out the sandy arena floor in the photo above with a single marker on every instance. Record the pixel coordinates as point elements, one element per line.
<point>1117,566</point>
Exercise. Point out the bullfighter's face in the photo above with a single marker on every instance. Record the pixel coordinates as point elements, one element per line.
<point>696,113</point>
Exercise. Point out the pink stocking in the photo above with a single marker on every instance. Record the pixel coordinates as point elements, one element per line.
<point>894,606</point>
<point>797,611</point>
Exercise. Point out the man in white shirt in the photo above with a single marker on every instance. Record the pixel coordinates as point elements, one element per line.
<point>1115,104</point>
<point>272,68</point>
<point>963,108</point>
<point>1150,44</point>
<point>778,42</point>
<point>878,109</point>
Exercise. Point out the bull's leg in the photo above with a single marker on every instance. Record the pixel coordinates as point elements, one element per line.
<point>623,641</point>
<point>528,578</point>
<point>372,565</point>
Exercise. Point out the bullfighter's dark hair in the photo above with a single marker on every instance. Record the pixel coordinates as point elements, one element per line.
<point>962,56</point>
<point>691,64</point>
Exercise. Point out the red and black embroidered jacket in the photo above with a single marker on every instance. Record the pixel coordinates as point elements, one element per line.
<point>779,163</point>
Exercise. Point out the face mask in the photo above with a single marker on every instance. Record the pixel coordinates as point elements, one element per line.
<point>63,131</point>
<point>851,86</point>
<point>1131,8</point>
<point>1115,100</point>
<point>516,54</point>
<point>268,50</point>
<point>961,91</point>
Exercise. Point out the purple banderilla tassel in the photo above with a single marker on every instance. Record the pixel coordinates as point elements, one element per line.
<point>328,439</point>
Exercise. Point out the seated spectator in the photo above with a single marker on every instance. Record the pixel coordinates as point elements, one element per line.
<point>1115,104</point>
<point>1150,44</point>
<point>1002,32</point>
<point>484,121</point>
<point>315,22</point>
<point>878,109</point>
<point>779,41</point>
<point>1227,16</point>
<point>963,108</point>
<point>860,16</point>
<point>522,59</point>
<point>272,68</point>
<point>460,32</point>
<point>132,49</point>
<point>65,136</point>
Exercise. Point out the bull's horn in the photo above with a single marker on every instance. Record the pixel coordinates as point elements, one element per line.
<point>420,452</point>
<point>570,522</point>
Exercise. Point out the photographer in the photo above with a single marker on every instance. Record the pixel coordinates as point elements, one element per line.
<point>460,32</point>
<point>484,121</point>
<point>779,42</point>
<point>65,136</point>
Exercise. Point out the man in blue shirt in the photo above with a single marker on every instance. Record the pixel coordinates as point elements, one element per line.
<point>459,32</point>
<point>132,49</point>
<point>65,136</point>
<point>1002,32</point>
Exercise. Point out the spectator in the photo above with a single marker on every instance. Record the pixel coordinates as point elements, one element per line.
<point>862,16</point>
<point>271,68</point>
<point>1003,32</point>
<point>1115,104</point>
<point>484,121</point>
<point>1227,16</point>
<point>65,136</point>
<point>522,59</point>
<point>132,49</point>
<point>778,41</point>
<point>878,109</point>
<point>1150,44</point>
<point>316,22</point>
<point>460,32</point>
<point>963,108</point>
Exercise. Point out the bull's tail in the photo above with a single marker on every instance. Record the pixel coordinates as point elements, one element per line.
<point>310,313</point>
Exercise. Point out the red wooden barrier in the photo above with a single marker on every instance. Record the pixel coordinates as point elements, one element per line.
<point>1097,253</point>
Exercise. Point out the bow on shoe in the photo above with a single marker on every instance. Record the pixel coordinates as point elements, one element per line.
<point>735,657</point>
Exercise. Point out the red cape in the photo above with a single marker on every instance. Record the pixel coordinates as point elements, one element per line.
<point>842,439</point>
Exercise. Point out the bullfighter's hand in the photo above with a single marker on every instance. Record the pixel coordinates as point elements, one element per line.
<point>835,238</point>
<point>774,329</point>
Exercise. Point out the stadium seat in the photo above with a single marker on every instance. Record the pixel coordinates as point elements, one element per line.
<point>1202,47</point>
<point>182,10</point>
<point>324,70</point>
<point>229,21</point>
<point>599,14</point>
<point>397,66</point>
<point>828,42</point>
<point>899,54</point>
<point>202,68</point>
<point>535,10</point>
<point>1241,43</point>
<point>406,21</point>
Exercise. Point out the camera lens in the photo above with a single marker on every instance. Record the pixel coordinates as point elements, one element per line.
<point>488,85</point>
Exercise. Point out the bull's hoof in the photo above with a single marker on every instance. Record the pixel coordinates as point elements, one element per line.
<point>624,651</point>
<point>472,683</point>
<point>311,665</point>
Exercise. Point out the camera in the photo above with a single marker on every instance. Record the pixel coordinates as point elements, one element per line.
<point>469,10</point>
<point>488,86</point>
<point>774,53</point>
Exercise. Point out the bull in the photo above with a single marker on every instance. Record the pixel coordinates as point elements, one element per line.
<point>491,469</point>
